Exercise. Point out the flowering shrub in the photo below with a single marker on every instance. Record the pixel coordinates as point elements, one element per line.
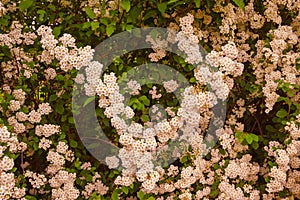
<point>47,47</point>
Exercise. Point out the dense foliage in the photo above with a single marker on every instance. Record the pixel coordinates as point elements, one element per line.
<point>255,47</point>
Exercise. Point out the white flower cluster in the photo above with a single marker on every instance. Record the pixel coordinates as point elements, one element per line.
<point>242,168</point>
<point>19,95</point>
<point>36,180</point>
<point>96,185</point>
<point>15,36</point>
<point>44,109</point>
<point>159,46</point>
<point>148,178</point>
<point>3,10</point>
<point>4,134</point>
<point>46,130</point>
<point>171,85</point>
<point>68,55</point>
<point>189,44</point>
<point>8,187</point>
<point>154,94</point>
<point>226,61</point>
<point>139,142</point>
<point>92,72</point>
<point>58,158</point>
<point>14,105</point>
<point>63,186</point>
<point>187,41</point>
<point>273,63</point>
<point>112,162</point>
<point>134,86</point>
<point>285,174</point>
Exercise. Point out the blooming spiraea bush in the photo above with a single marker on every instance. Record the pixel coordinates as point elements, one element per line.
<point>47,49</point>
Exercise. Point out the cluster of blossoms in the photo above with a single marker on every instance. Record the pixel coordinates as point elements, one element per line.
<point>226,62</point>
<point>272,64</point>
<point>188,42</point>
<point>64,50</point>
<point>8,188</point>
<point>12,68</point>
<point>228,172</point>
<point>63,186</point>
<point>138,141</point>
<point>95,186</point>
<point>154,94</point>
<point>134,87</point>
<point>61,181</point>
<point>285,174</point>
<point>170,86</point>
<point>159,47</point>
<point>134,154</point>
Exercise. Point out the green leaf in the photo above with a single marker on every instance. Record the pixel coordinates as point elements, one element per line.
<point>162,8</point>
<point>172,1</point>
<point>71,120</point>
<point>140,106</point>
<point>104,21</point>
<point>115,195</point>
<point>240,136</point>
<point>90,13</point>
<point>64,118</point>
<point>125,189</point>
<point>86,25</point>
<point>271,129</point>
<point>145,118</point>
<point>132,186</point>
<point>189,68</point>
<point>255,145</point>
<point>240,3</point>
<point>193,80</point>
<point>298,66</point>
<point>73,144</point>
<point>30,197</point>
<point>184,159</point>
<point>4,22</point>
<point>60,108</point>
<point>77,163</point>
<point>267,179</point>
<point>271,164</point>
<point>151,198</point>
<point>150,14</point>
<point>53,97</point>
<point>52,7</point>
<point>249,139</point>
<point>254,137</point>
<point>62,136</point>
<point>25,4</point>
<point>93,146</point>
<point>281,113</point>
<point>132,101</point>
<point>94,25</point>
<point>41,14</point>
<point>290,93</point>
<point>57,31</point>
<point>110,29</point>
<point>214,193</point>
<point>134,14</point>
<point>197,2</point>
<point>88,100</point>
<point>145,100</point>
<point>141,195</point>
<point>128,28</point>
<point>126,5</point>
<point>6,51</point>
